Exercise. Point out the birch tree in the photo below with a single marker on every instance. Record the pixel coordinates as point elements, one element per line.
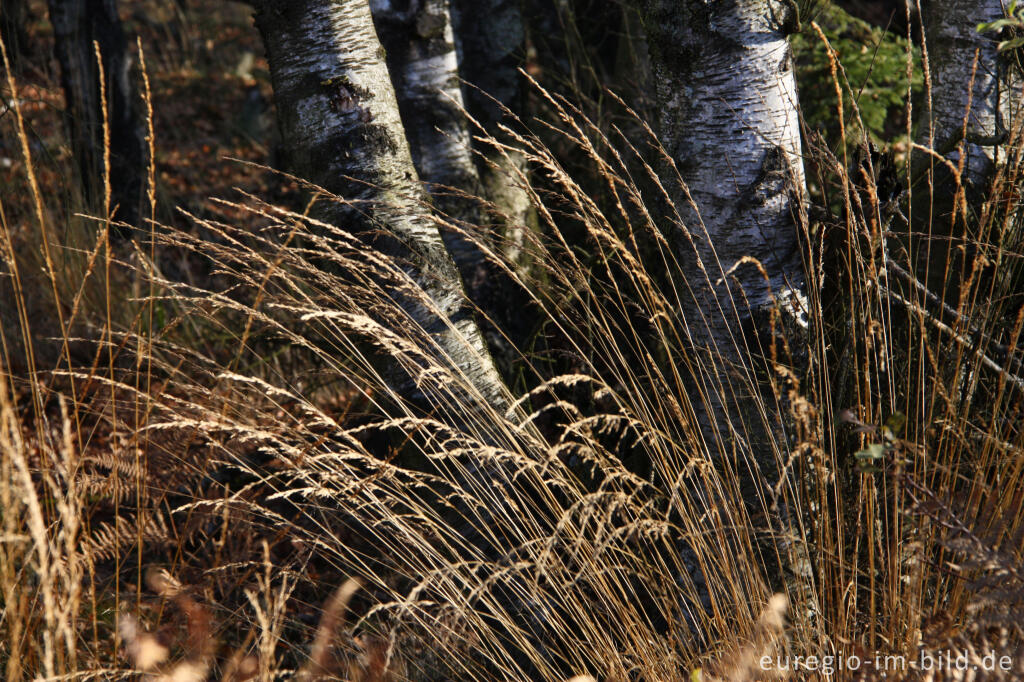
<point>489,36</point>
<point>969,108</point>
<point>421,58</point>
<point>969,84</point>
<point>728,117</point>
<point>340,121</point>
<point>726,94</point>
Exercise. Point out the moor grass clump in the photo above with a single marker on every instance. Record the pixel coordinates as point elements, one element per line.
<point>219,480</point>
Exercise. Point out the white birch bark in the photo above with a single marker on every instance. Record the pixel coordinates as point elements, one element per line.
<point>339,116</point>
<point>953,41</point>
<point>420,47</point>
<point>727,102</point>
<point>727,96</point>
<point>340,119</point>
<point>726,93</point>
<point>970,83</point>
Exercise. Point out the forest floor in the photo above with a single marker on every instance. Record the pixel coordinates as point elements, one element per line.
<point>211,100</point>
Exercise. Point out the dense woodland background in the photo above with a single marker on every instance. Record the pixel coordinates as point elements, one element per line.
<point>509,344</point>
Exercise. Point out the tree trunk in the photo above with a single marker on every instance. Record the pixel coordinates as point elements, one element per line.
<point>76,25</point>
<point>418,40</point>
<point>726,93</point>
<point>341,125</point>
<point>489,36</point>
<point>14,15</point>
<point>953,42</point>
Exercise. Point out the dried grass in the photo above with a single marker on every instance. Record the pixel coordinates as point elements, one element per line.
<point>593,529</point>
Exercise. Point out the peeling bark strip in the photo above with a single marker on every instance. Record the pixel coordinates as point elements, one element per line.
<point>727,95</point>
<point>76,24</point>
<point>339,117</point>
<point>420,48</point>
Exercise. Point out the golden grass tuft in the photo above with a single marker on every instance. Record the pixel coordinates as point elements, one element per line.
<point>252,447</point>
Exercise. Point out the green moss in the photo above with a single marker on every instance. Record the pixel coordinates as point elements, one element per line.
<point>875,62</point>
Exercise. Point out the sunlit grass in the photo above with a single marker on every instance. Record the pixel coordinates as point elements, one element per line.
<point>250,442</point>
